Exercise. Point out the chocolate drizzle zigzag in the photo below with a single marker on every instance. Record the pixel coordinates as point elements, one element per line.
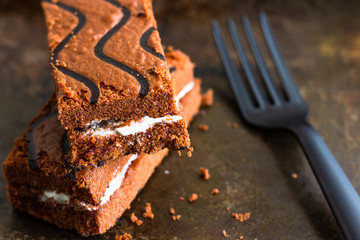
<point>98,50</point>
<point>31,144</point>
<point>144,43</point>
<point>95,93</point>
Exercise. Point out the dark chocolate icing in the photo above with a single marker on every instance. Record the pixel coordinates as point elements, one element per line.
<point>141,14</point>
<point>101,163</point>
<point>172,69</point>
<point>144,43</point>
<point>95,93</point>
<point>65,143</point>
<point>98,50</point>
<point>70,171</point>
<point>31,144</point>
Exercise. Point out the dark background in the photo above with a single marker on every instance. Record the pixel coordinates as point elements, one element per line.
<point>252,168</point>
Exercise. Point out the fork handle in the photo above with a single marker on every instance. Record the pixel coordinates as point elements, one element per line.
<point>343,199</point>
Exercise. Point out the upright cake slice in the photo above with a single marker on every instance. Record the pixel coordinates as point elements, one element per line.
<point>89,199</point>
<point>109,70</point>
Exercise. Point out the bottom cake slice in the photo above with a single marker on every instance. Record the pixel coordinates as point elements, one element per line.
<point>56,207</point>
<point>88,200</point>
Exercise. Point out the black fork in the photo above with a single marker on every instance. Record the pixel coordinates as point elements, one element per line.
<point>287,112</point>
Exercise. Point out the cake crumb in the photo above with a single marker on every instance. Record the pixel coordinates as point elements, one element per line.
<point>228,208</point>
<point>135,220</point>
<point>294,176</point>
<point>224,233</point>
<point>148,213</point>
<point>207,98</point>
<point>241,237</point>
<point>193,197</point>
<point>215,191</point>
<point>182,198</point>
<point>176,217</point>
<point>235,125</point>
<point>204,127</point>
<point>308,234</point>
<point>241,217</point>
<point>172,211</point>
<point>179,153</point>
<point>156,70</point>
<point>124,236</point>
<point>205,173</point>
<point>189,151</point>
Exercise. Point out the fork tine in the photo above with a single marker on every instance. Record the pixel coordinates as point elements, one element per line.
<point>260,61</point>
<point>285,76</point>
<point>248,71</point>
<point>236,83</point>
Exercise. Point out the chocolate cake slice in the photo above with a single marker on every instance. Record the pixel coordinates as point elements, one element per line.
<point>109,71</point>
<point>93,144</point>
<point>86,199</point>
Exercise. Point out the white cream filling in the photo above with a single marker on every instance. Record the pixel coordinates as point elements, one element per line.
<point>58,197</point>
<point>144,124</point>
<point>88,206</point>
<point>188,87</point>
<point>136,126</point>
<point>117,181</point>
<point>114,185</point>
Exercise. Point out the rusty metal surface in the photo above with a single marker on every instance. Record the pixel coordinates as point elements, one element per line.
<point>252,168</point>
